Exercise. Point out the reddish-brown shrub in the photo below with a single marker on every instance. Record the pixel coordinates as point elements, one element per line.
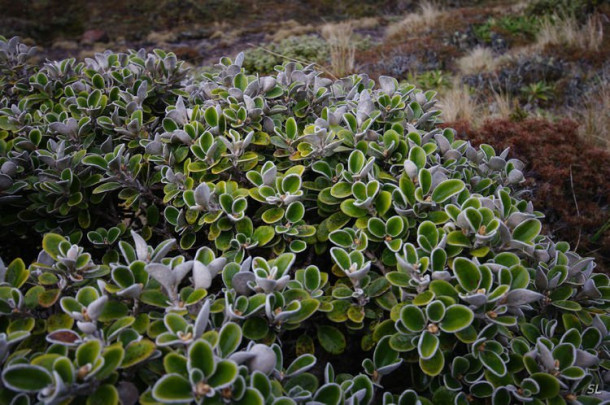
<point>562,170</point>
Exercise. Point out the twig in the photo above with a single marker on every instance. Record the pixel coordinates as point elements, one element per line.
<point>376,262</point>
<point>577,210</point>
<point>306,62</point>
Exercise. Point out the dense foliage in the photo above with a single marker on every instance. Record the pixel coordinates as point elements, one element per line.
<point>282,239</point>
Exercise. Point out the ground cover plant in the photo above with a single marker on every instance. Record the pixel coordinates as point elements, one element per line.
<point>281,239</point>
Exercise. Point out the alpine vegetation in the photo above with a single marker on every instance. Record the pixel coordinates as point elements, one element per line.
<point>286,239</point>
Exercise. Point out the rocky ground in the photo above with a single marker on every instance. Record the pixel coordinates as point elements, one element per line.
<point>532,75</point>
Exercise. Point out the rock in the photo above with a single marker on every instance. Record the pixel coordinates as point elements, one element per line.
<point>93,36</point>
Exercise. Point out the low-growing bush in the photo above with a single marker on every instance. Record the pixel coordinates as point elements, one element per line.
<point>283,239</point>
<point>307,48</point>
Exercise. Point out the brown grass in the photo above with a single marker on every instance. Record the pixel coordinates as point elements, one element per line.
<point>427,15</point>
<point>342,49</point>
<point>458,104</point>
<point>478,60</point>
<point>565,30</point>
<point>594,116</point>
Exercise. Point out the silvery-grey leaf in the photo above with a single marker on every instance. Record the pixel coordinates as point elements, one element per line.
<point>585,359</point>
<point>282,282</point>
<point>267,83</point>
<point>441,275</point>
<point>87,327</point>
<point>497,163</point>
<point>516,218</point>
<point>241,357</point>
<point>141,247</point>
<point>452,154</point>
<point>240,282</point>
<point>522,296</point>
<point>269,176</point>
<point>267,285</point>
<point>201,275</point>
<point>94,309</point>
<point>388,84</point>
<point>162,249</point>
<point>581,265</point>
<point>202,195</point>
<point>5,181</point>
<point>515,176</point>
<point>475,300</point>
<point>162,274</point>
<point>471,154</point>
<point>389,368</point>
<point>133,291</point>
<point>181,270</point>
<point>443,143</point>
<point>264,359</point>
<point>201,323</point>
<point>216,265</point>
<point>545,356</point>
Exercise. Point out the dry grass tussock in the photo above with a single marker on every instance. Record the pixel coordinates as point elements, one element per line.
<point>290,28</point>
<point>458,104</point>
<point>342,49</point>
<point>594,116</point>
<point>565,30</point>
<point>427,15</point>
<point>478,60</point>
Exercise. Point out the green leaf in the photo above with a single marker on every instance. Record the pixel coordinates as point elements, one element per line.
<point>88,352</point>
<point>255,328</point>
<point>457,317</point>
<point>225,374</point>
<point>211,116</point>
<point>291,183</point>
<point>51,242</point>
<point>376,227</point>
<point>527,230</point>
<point>434,365</point>
<point>301,364</point>
<point>295,212</point>
<point>137,351</point>
<point>549,385</point>
<point>173,388</point>
<point>348,208</point>
<point>106,187</point>
<point>331,339</point>
<point>26,378</point>
<point>447,189</point>
<point>229,339</point>
<point>200,356</point>
<point>272,215</point>
<point>395,226</point>
<point>493,362</point>
<point>263,235</point>
<point>412,318</point>
<point>105,395</point>
<point>427,345</point>
<point>418,156</point>
<point>95,160</point>
<point>356,161</point>
<point>468,274</point>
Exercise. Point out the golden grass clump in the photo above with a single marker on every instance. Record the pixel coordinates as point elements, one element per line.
<point>342,48</point>
<point>565,30</point>
<point>427,15</point>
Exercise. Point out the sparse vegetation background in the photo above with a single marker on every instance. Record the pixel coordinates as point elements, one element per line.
<point>308,202</point>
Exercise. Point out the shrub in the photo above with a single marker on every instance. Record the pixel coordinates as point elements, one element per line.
<point>306,48</point>
<point>275,223</point>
